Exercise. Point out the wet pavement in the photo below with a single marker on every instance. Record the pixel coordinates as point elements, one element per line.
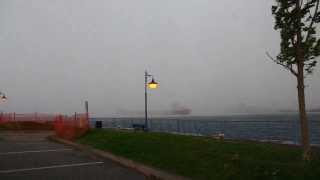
<point>30,156</point>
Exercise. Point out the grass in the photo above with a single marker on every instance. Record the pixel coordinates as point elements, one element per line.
<point>204,157</point>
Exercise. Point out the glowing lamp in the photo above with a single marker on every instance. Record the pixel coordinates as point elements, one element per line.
<point>152,84</point>
<point>3,97</point>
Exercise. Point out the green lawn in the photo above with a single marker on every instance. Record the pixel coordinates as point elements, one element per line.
<point>206,158</point>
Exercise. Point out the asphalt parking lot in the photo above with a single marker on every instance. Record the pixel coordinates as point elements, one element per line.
<point>29,156</point>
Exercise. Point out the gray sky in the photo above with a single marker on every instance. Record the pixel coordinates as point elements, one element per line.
<point>208,55</point>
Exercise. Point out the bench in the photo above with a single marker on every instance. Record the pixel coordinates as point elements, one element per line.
<point>138,127</point>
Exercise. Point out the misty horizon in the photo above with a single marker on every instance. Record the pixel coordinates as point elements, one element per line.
<point>55,55</point>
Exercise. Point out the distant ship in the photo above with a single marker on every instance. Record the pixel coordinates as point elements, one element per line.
<point>180,110</point>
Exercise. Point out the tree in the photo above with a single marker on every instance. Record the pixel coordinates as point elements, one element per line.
<point>297,22</point>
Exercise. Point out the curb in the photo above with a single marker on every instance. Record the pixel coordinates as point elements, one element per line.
<point>149,172</point>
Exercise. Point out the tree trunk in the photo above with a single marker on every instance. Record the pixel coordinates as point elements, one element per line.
<point>303,115</point>
<point>301,96</point>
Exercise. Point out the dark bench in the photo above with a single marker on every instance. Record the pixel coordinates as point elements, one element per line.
<point>138,127</point>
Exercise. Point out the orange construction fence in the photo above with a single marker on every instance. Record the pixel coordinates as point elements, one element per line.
<point>32,121</point>
<point>34,117</point>
<point>68,127</point>
<point>71,127</point>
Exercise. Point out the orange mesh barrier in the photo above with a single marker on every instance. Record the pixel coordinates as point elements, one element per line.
<point>34,121</point>
<point>71,127</point>
<point>68,127</point>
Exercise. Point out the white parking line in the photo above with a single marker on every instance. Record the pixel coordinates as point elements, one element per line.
<point>48,167</point>
<point>36,151</point>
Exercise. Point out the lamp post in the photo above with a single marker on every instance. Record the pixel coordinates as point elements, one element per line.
<point>151,85</point>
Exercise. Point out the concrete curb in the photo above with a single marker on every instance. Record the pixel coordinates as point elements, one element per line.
<point>149,172</point>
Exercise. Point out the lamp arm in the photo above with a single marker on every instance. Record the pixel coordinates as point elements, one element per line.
<point>148,75</point>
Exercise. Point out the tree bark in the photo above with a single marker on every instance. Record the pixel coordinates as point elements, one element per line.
<point>301,96</point>
<point>303,115</point>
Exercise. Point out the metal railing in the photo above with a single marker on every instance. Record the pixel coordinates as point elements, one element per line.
<point>275,128</point>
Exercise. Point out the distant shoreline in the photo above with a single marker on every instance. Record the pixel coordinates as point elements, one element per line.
<point>204,116</point>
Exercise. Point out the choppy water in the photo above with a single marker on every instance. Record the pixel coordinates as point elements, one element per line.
<point>284,128</point>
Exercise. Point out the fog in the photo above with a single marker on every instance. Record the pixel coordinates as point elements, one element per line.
<point>207,55</point>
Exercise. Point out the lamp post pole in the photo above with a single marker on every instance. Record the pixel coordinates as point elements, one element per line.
<point>151,85</point>
<point>146,75</point>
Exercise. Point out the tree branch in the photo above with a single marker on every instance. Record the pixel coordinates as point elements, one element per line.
<point>313,19</point>
<point>301,2</point>
<point>293,42</point>
<point>309,11</point>
<point>288,67</point>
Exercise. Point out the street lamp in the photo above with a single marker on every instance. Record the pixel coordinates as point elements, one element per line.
<point>151,85</point>
<point>3,97</point>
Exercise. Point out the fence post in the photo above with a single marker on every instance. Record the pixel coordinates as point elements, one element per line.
<point>150,124</point>
<point>194,127</point>
<point>75,119</point>
<point>14,120</point>
<point>87,113</point>
<point>296,129</point>
<point>224,126</point>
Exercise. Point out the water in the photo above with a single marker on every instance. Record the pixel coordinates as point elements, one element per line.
<point>282,128</point>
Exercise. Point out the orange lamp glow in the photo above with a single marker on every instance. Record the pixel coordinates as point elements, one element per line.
<point>3,98</point>
<point>153,84</point>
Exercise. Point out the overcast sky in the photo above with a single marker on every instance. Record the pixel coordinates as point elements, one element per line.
<point>207,55</point>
